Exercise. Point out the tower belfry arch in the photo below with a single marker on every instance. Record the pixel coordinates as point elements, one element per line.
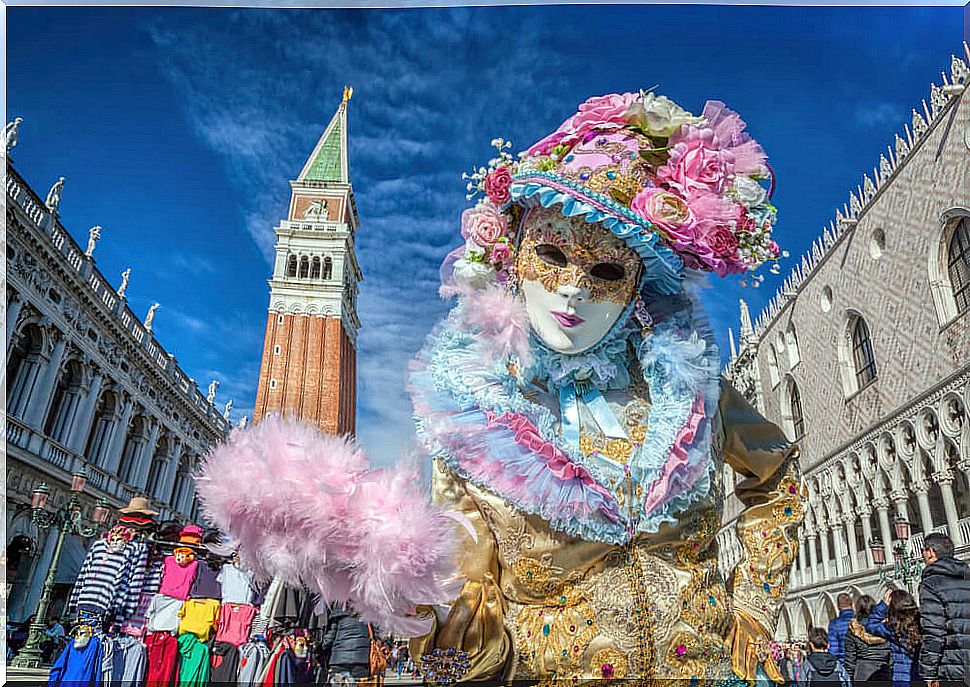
<point>309,364</point>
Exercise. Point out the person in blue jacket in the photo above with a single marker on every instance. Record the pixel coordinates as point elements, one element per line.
<point>839,626</point>
<point>79,665</point>
<point>896,618</point>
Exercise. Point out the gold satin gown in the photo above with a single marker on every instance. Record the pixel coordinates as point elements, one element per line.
<point>539,604</point>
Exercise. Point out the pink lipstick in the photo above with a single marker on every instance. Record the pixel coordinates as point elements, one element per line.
<point>567,320</point>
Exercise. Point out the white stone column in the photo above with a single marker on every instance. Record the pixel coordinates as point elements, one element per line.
<point>13,312</point>
<point>120,434</point>
<point>147,456</point>
<point>803,578</point>
<point>813,557</point>
<point>42,394</point>
<point>826,553</point>
<point>945,479</point>
<point>865,513</point>
<point>921,488</point>
<point>838,542</point>
<point>885,529</point>
<point>82,423</point>
<point>849,523</point>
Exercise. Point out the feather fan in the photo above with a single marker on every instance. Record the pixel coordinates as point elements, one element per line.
<point>308,508</point>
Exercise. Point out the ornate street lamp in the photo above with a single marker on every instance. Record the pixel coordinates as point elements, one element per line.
<point>905,567</point>
<point>68,520</point>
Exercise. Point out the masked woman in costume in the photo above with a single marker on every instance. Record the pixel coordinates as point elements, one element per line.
<point>574,409</point>
<point>578,425</point>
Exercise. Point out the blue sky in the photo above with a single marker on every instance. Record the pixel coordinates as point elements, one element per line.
<point>179,129</point>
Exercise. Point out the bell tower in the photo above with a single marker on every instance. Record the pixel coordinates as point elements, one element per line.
<point>309,366</point>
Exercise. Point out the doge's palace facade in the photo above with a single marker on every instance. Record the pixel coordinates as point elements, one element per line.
<point>863,357</point>
<point>87,387</point>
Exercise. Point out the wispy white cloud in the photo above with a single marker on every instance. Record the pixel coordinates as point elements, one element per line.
<point>407,148</point>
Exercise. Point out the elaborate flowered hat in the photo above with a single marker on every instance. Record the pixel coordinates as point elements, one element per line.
<point>683,191</point>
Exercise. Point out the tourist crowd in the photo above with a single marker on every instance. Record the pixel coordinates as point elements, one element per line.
<point>896,639</point>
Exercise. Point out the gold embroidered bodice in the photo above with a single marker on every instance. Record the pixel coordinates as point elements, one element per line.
<point>539,604</point>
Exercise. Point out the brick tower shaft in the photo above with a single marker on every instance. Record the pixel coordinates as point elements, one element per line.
<point>309,365</point>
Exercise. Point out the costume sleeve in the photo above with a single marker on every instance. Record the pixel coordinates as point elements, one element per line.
<point>472,629</point>
<point>932,617</point>
<point>770,491</point>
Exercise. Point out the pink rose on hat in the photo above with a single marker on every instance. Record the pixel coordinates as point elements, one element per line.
<point>501,254</point>
<point>668,211</point>
<point>602,112</point>
<point>497,185</point>
<point>484,224</point>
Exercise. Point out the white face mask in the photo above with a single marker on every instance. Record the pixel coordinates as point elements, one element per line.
<point>576,278</point>
<point>300,648</point>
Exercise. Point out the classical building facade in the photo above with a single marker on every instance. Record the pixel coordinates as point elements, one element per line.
<point>87,387</point>
<point>309,367</point>
<point>863,357</point>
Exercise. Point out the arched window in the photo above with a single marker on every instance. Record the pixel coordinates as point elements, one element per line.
<point>24,361</point>
<point>958,265</point>
<point>773,366</point>
<point>158,468</point>
<point>327,268</point>
<point>183,482</point>
<point>304,267</point>
<point>793,420</point>
<point>136,438</point>
<point>791,343</point>
<point>315,268</point>
<point>291,266</point>
<point>102,426</point>
<point>863,359</point>
<point>63,408</point>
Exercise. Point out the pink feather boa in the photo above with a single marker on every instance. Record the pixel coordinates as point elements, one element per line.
<point>306,507</point>
<point>503,322</point>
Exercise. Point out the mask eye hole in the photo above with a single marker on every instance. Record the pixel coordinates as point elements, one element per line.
<point>551,255</point>
<point>608,271</point>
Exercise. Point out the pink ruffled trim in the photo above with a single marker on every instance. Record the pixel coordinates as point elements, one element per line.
<point>557,462</point>
<point>677,458</point>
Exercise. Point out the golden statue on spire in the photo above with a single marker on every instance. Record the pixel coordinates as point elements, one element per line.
<point>348,93</point>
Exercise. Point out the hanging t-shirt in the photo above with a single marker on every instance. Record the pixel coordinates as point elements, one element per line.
<point>163,613</point>
<point>252,658</point>
<point>238,585</point>
<point>206,584</point>
<point>78,667</point>
<point>177,579</point>
<point>129,659</point>
<point>194,668</point>
<point>225,664</point>
<point>199,617</point>
<point>234,623</point>
<point>163,660</point>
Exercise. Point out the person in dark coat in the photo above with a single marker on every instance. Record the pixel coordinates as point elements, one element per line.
<point>839,625</point>
<point>821,667</point>
<point>867,656</point>
<point>944,601</point>
<point>347,642</point>
<point>896,618</point>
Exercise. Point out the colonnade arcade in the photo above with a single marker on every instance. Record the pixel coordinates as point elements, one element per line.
<point>57,389</point>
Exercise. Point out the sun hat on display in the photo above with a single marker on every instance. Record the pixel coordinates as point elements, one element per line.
<point>138,505</point>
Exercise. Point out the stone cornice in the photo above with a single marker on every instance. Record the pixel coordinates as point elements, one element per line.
<point>58,253</point>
